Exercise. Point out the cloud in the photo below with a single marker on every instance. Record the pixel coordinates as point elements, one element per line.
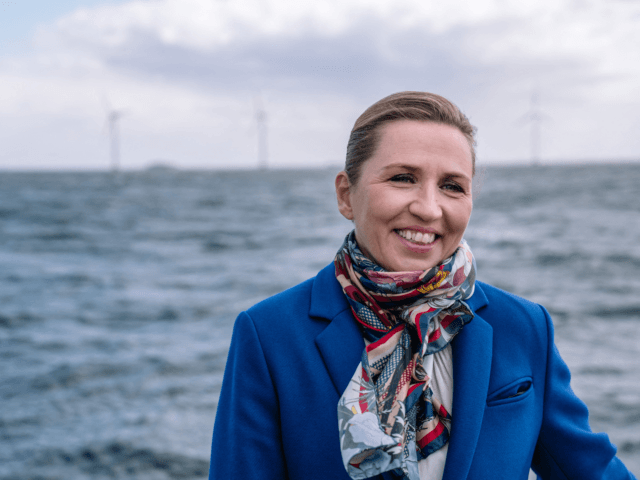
<point>189,69</point>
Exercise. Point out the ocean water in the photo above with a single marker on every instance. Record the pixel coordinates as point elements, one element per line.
<point>118,296</point>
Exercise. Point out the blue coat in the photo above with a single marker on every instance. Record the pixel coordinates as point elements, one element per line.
<point>292,356</point>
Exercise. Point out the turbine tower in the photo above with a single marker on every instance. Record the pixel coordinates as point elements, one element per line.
<point>112,122</point>
<point>113,117</point>
<point>534,118</point>
<point>261,123</point>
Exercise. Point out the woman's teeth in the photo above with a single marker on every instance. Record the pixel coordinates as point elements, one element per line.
<point>417,237</point>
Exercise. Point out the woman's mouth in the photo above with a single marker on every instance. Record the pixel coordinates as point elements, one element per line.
<point>419,238</point>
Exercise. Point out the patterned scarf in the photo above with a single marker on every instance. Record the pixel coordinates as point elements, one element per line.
<point>388,416</point>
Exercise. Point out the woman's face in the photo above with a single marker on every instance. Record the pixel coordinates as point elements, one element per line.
<point>412,202</point>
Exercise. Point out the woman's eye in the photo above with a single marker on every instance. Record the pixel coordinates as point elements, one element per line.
<point>403,177</point>
<point>454,187</point>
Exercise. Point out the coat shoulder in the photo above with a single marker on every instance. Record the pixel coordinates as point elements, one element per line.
<point>516,321</point>
<point>502,304</point>
<point>292,302</point>
<point>318,299</point>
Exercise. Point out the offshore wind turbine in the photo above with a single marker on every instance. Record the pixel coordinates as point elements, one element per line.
<point>114,138</point>
<point>534,118</point>
<point>261,124</point>
<point>113,117</point>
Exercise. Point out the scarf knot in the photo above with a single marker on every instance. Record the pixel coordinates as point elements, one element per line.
<point>388,416</point>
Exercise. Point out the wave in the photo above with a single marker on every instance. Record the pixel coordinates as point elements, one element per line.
<point>121,460</point>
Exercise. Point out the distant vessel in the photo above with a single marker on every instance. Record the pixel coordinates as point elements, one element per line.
<point>160,166</point>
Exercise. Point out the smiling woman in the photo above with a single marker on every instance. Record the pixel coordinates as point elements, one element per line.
<point>394,362</point>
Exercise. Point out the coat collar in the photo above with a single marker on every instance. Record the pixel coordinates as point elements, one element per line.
<point>341,343</point>
<point>328,300</point>
<point>341,347</point>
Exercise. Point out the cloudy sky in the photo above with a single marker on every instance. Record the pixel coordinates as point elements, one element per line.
<point>186,75</point>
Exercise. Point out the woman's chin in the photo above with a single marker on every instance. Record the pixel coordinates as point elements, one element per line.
<point>411,256</point>
<point>411,263</point>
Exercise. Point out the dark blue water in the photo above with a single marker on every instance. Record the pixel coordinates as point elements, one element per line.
<point>118,295</point>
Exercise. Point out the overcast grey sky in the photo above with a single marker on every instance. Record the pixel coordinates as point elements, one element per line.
<point>187,72</point>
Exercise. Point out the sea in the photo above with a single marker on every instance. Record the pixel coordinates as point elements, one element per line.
<point>118,294</point>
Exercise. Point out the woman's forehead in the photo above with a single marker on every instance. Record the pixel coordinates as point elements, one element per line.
<point>417,145</point>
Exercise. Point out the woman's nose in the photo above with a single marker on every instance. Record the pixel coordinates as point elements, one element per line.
<point>426,205</point>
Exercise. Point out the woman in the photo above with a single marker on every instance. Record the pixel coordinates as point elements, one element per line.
<point>433,375</point>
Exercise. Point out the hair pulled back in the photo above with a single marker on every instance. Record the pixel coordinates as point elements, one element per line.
<point>422,106</point>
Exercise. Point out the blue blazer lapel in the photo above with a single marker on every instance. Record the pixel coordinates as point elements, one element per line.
<point>472,352</point>
<point>341,346</point>
<point>341,343</point>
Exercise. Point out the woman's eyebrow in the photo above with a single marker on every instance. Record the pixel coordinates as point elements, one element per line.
<point>457,175</point>
<point>414,169</point>
<point>400,165</point>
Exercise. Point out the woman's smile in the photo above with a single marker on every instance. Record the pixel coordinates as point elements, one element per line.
<point>412,202</point>
<point>416,241</point>
<point>417,237</point>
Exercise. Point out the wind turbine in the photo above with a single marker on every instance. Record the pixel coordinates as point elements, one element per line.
<point>261,123</point>
<point>534,118</point>
<point>113,117</point>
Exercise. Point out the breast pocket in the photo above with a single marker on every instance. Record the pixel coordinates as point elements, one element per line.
<point>516,391</point>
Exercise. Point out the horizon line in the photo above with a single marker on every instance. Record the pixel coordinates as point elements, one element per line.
<point>168,166</point>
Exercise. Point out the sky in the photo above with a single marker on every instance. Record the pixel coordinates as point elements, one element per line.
<point>186,75</point>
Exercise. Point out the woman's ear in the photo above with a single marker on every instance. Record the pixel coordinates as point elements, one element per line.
<point>343,194</point>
